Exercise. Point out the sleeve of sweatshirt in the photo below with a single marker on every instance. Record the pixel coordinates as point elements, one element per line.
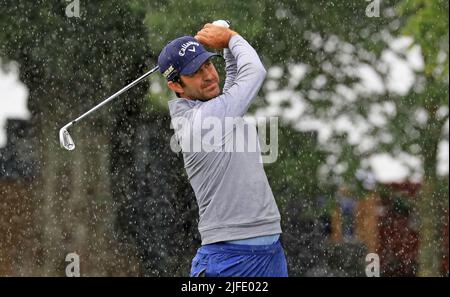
<point>230,69</point>
<point>245,75</point>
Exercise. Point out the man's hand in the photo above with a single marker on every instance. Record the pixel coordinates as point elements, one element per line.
<point>213,36</point>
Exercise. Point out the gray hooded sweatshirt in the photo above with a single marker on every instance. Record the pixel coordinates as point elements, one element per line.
<point>225,167</point>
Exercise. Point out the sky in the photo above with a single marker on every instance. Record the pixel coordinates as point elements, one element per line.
<point>13,100</point>
<point>386,168</point>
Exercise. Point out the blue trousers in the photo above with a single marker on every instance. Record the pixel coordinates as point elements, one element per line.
<point>227,260</point>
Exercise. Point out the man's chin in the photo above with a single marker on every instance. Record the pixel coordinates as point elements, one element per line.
<point>211,95</point>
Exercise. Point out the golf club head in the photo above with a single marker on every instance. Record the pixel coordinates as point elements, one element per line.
<point>65,140</point>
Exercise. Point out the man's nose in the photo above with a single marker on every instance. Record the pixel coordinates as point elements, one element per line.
<point>208,74</point>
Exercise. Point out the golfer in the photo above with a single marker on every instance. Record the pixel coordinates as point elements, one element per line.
<point>239,219</point>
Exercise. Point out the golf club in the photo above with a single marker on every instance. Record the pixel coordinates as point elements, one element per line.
<point>66,140</point>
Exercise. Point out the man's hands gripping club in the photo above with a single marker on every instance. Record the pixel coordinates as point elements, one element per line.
<point>213,36</point>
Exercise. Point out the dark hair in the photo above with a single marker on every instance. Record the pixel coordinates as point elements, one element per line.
<point>177,79</point>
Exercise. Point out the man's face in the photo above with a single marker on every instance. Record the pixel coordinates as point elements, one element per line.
<point>201,85</point>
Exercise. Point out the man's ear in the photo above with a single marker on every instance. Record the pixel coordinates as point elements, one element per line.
<point>176,87</point>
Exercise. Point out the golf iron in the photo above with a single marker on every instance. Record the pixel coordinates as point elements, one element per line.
<point>66,140</point>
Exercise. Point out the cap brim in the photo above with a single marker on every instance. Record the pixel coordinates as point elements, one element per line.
<point>195,64</point>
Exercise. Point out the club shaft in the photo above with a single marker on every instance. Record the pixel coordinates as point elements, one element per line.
<point>114,96</point>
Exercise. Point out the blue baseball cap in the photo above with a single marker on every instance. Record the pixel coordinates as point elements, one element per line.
<point>182,56</point>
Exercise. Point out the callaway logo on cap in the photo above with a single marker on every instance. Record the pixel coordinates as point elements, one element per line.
<point>182,56</point>
<point>190,46</point>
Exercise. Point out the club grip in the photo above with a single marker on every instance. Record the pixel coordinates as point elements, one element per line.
<point>222,23</point>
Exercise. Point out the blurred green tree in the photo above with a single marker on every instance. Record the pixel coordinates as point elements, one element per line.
<point>427,22</point>
<point>68,65</point>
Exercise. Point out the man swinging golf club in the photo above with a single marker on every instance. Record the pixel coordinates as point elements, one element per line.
<point>239,219</point>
